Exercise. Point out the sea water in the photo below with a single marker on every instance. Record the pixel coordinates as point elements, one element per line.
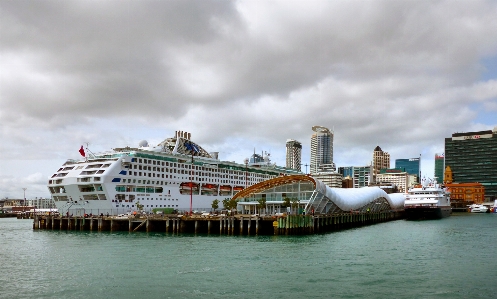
<point>455,257</point>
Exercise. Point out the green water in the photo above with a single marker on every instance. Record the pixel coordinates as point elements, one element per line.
<point>454,257</point>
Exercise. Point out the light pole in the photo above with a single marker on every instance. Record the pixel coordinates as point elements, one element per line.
<point>246,172</point>
<point>305,167</point>
<point>24,209</point>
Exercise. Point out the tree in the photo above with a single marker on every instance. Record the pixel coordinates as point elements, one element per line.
<point>262,203</point>
<point>139,206</point>
<point>215,204</point>
<point>286,202</point>
<point>233,204</point>
<point>295,204</point>
<point>226,203</point>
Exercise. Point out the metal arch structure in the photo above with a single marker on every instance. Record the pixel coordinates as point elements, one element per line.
<point>327,200</point>
<point>279,181</point>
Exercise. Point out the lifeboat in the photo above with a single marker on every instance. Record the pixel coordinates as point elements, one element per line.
<point>238,188</point>
<point>188,185</point>
<point>225,188</point>
<point>209,189</point>
<point>188,188</point>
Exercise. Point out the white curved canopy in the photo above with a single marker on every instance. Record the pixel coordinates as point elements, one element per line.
<point>326,199</point>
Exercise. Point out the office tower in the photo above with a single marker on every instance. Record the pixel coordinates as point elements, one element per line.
<point>322,150</point>
<point>411,166</point>
<point>293,154</point>
<point>381,160</point>
<point>472,157</point>
<point>439,167</point>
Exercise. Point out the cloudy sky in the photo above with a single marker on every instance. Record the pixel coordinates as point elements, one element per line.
<point>240,75</point>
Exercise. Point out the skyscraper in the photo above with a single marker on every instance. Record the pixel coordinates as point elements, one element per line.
<point>321,150</point>
<point>472,157</point>
<point>381,160</point>
<point>293,154</point>
<point>439,167</point>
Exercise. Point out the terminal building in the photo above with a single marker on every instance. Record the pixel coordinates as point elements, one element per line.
<point>472,158</point>
<point>310,195</point>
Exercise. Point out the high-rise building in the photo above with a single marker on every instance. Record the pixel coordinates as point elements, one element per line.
<point>439,167</point>
<point>293,154</point>
<point>411,166</point>
<point>322,150</point>
<point>472,157</point>
<point>360,175</point>
<point>381,160</point>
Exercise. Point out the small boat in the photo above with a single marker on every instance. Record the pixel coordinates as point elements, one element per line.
<point>475,208</point>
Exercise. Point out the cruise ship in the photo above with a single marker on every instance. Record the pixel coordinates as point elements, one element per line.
<point>177,174</point>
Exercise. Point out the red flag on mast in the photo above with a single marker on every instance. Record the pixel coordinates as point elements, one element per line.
<point>82,151</point>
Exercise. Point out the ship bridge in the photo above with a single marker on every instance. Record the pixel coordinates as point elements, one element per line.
<point>313,195</point>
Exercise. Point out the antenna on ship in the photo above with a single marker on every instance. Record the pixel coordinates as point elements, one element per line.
<point>88,150</point>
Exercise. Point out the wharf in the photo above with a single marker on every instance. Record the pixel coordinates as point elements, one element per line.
<point>223,225</point>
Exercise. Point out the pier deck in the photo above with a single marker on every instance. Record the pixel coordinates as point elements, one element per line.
<point>224,225</point>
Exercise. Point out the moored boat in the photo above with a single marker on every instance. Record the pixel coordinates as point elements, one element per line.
<point>476,208</point>
<point>429,200</point>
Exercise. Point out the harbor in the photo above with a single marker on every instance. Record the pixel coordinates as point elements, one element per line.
<point>221,225</point>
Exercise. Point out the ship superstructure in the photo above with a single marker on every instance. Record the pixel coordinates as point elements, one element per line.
<point>177,174</point>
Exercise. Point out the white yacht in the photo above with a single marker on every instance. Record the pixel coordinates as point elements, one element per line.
<point>177,174</point>
<point>476,208</point>
<point>428,200</point>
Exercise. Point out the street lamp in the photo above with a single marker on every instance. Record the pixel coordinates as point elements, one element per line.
<point>24,209</point>
<point>246,172</point>
<point>305,167</point>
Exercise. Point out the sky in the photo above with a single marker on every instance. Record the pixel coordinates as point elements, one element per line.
<point>240,76</point>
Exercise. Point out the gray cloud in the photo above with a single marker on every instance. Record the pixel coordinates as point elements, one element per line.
<point>239,75</point>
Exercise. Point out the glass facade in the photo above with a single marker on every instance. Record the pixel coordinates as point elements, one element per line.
<point>298,190</point>
<point>439,167</point>
<point>411,166</point>
<point>472,157</point>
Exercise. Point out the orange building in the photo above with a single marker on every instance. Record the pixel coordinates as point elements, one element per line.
<point>463,194</point>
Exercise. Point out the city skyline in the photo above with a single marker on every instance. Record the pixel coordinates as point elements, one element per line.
<point>240,75</point>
